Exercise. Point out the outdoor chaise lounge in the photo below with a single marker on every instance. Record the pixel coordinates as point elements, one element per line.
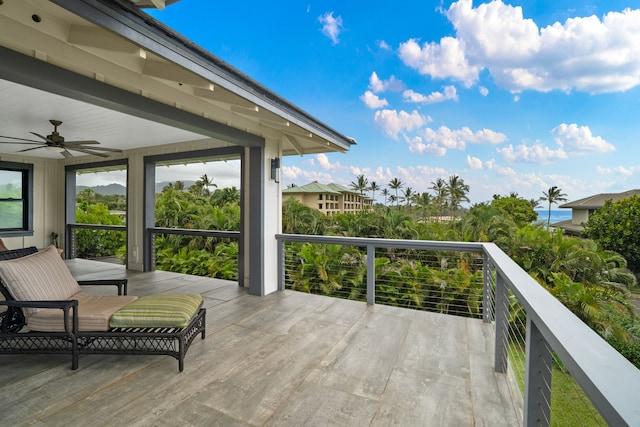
<point>45,311</point>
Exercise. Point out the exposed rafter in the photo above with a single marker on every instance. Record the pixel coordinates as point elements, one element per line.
<point>169,71</point>
<point>294,143</point>
<point>219,94</point>
<point>90,36</point>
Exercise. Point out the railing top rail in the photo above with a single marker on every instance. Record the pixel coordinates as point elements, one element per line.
<point>99,226</point>
<point>385,243</point>
<point>611,381</point>
<point>222,234</point>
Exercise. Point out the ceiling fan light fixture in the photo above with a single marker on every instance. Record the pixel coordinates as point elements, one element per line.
<point>55,149</point>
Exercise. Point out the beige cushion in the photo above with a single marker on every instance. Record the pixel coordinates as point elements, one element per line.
<point>42,276</point>
<point>94,312</point>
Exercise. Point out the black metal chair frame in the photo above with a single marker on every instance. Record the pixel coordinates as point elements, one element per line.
<point>159,341</point>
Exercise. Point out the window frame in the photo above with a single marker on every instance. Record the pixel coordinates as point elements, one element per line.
<point>26,169</point>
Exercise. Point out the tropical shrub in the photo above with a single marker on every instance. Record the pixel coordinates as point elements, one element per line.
<point>615,227</point>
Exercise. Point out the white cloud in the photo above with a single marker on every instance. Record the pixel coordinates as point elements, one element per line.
<point>446,138</point>
<point>383,45</point>
<point>393,122</point>
<point>474,162</point>
<point>378,86</point>
<point>324,162</point>
<point>450,93</point>
<point>417,145</point>
<point>536,153</point>
<point>372,100</point>
<point>331,26</point>
<point>294,174</point>
<point>588,54</point>
<point>579,140</point>
<point>483,91</point>
<point>443,60</point>
<point>618,170</point>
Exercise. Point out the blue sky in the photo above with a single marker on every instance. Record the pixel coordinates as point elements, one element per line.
<point>512,96</point>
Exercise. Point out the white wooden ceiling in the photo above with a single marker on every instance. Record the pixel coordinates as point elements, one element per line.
<point>30,110</point>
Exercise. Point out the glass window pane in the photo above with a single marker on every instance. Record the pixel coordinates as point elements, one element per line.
<point>11,214</point>
<point>12,184</point>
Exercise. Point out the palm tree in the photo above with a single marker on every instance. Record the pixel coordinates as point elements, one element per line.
<point>207,182</point>
<point>457,191</point>
<point>553,196</point>
<point>424,201</point>
<point>407,195</point>
<point>361,185</point>
<point>385,194</point>
<point>439,186</point>
<point>396,184</point>
<point>374,187</point>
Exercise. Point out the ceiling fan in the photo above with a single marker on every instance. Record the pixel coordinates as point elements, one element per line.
<point>56,143</point>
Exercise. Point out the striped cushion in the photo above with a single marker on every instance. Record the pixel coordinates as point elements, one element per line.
<point>168,311</point>
<point>42,276</point>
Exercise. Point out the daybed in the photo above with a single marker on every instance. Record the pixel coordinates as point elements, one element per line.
<point>45,311</point>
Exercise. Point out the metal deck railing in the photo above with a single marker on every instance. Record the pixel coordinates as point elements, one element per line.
<point>537,339</point>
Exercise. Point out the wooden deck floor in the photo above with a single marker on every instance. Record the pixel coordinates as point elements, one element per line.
<point>287,359</point>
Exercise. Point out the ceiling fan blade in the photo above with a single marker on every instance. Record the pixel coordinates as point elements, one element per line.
<point>82,150</point>
<point>113,150</point>
<point>80,142</point>
<point>31,141</point>
<point>32,148</point>
<point>43,137</point>
<point>66,154</point>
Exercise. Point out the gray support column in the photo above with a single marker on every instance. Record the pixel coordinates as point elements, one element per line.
<point>69,212</point>
<point>256,221</point>
<point>502,326</point>
<point>371,274</point>
<point>149,212</point>
<point>537,382</point>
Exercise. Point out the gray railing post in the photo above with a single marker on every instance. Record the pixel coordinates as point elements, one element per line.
<point>71,251</point>
<point>537,381</point>
<point>371,274</point>
<point>502,325</point>
<point>486,289</point>
<point>280,264</point>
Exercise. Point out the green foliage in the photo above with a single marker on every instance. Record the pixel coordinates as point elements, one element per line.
<point>516,208</point>
<point>299,219</point>
<point>97,243</point>
<point>197,210</point>
<point>114,202</point>
<point>615,227</point>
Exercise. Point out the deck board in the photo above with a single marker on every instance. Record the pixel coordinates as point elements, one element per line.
<point>287,359</point>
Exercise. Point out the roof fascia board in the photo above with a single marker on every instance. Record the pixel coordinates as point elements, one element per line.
<point>128,21</point>
<point>32,72</point>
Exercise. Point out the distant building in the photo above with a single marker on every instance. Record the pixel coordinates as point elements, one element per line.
<point>582,209</point>
<point>329,199</point>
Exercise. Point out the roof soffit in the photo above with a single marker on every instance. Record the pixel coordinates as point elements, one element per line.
<point>209,76</point>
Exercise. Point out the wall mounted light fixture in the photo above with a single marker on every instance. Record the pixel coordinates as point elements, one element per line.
<point>275,169</point>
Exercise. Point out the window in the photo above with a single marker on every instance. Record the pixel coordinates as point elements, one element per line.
<point>319,196</point>
<point>16,199</point>
<point>320,206</point>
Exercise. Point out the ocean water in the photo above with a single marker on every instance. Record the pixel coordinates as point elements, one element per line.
<point>557,215</point>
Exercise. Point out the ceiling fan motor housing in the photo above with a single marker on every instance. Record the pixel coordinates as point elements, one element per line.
<point>55,136</point>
